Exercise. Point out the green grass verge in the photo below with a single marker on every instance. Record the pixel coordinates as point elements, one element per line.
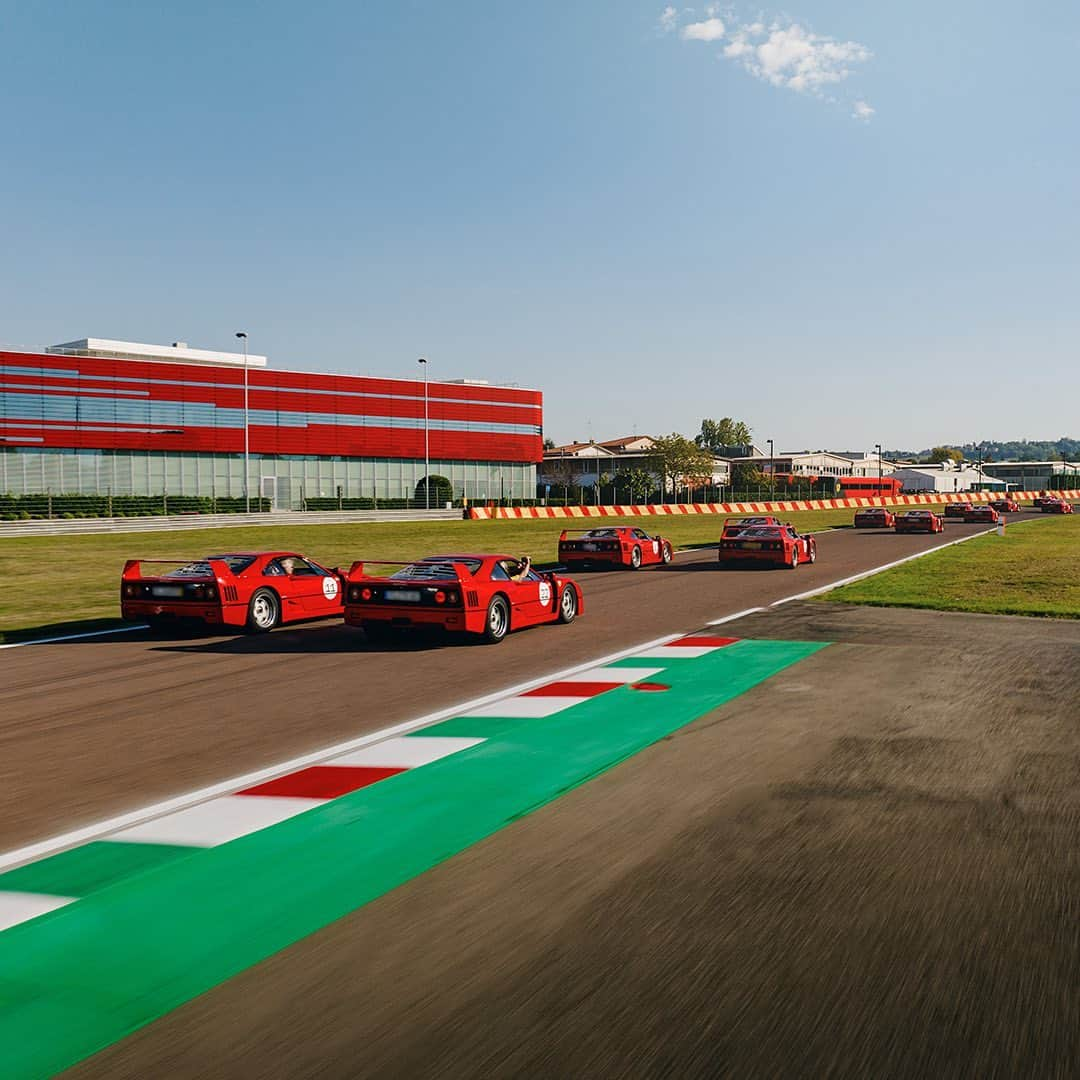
<point>1032,570</point>
<point>66,583</point>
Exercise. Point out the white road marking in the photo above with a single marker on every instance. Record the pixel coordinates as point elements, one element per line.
<point>613,675</point>
<point>18,907</point>
<point>74,637</point>
<point>406,752</point>
<point>526,708</point>
<point>217,821</point>
<point>676,652</point>
<point>737,615</point>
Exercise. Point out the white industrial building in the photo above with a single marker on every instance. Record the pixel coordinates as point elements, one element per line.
<point>946,478</point>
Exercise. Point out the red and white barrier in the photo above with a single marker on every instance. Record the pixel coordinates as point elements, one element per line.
<point>484,513</point>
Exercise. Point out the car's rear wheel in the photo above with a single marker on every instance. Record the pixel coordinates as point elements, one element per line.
<point>666,553</point>
<point>635,559</point>
<point>497,621</point>
<point>813,553</point>
<point>568,605</point>
<point>794,557</point>
<point>264,611</point>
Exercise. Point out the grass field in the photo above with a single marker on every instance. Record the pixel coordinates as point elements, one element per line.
<point>72,582</point>
<point>1033,570</point>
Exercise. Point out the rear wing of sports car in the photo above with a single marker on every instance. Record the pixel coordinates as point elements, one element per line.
<point>359,570</point>
<point>133,567</point>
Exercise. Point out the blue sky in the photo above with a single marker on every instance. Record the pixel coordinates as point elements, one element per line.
<point>587,197</point>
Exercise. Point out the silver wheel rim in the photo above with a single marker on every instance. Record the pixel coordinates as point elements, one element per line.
<point>667,554</point>
<point>635,557</point>
<point>569,603</point>
<point>795,557</point>
<point>262,611</point>
<point>497,620</point>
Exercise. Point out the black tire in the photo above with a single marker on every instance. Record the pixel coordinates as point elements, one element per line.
<point>813,554</point>
<point>496,621</point>
<point>794,564</point>
<point>264,611</point>
<point>635,558</point>
<point>568,605</point>
<point>665,554</point>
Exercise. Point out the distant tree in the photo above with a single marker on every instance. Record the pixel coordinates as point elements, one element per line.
<point>945,453</point>
<point>549,444</point>
<point>716,434</point>
<point>561,473</point>
<point>683,461</point>
<point>442,491</point>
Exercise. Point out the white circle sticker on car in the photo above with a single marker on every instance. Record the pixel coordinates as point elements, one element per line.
<point>545,593</point>
<point>330,587</point>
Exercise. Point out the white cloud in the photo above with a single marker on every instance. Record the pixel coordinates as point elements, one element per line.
<point>669,19</point>
<point>783,53</point>
<point>709,30</point>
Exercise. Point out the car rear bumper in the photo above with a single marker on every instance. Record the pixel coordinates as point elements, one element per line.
<point>772,558</point>
<point>454,619</point>
<point>588,558</point>
<point>138,610</point>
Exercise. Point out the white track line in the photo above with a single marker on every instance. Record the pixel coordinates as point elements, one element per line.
<point>737,615</point>
<point>74,637</point>
<point>32,852</point>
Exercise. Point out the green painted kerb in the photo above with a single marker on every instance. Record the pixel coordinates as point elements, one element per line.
<point>83,977</point>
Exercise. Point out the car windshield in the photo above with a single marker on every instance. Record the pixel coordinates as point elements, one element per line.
<point>236,563</point>
<point>598,534</point>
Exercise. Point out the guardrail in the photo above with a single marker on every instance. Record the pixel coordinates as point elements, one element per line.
<point>91,526</point>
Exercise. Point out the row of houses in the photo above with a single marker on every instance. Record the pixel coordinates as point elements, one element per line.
<point>595,464</point>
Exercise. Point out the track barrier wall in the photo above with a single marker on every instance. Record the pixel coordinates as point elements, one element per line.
<point>484,513</point>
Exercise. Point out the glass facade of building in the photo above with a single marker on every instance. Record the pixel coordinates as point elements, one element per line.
<point>103,425</point>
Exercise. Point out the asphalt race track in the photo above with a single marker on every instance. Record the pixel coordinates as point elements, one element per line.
<point>839,871</point>
<point>99,726</point>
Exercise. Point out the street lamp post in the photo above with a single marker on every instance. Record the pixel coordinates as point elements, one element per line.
<point>247,471</point>
<point>877,447</point>
<point>772,472</point>
<point>427,465</point>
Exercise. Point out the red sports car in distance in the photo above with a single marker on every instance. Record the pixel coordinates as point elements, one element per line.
<point>874,517</point>
<point>1056,506</point>
<point>1039,500</point>
<point>912,521</point>
<point>734,526</point>
<point>774,545</point>
<point>252,590</point>
<point>957,509</point>
<point>616,545</point>
<point>1005,506</point>
<point>985,514</point>
<point>483,595</point>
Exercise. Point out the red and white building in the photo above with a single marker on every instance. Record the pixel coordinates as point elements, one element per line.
<point>96,416</point>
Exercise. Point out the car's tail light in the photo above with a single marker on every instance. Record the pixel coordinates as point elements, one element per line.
<point>440,597</point>
<point>211,592</point>
<point>130,590</point>
<point>366,594</point>
<point>356,593</point>
<point>453,598</point>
